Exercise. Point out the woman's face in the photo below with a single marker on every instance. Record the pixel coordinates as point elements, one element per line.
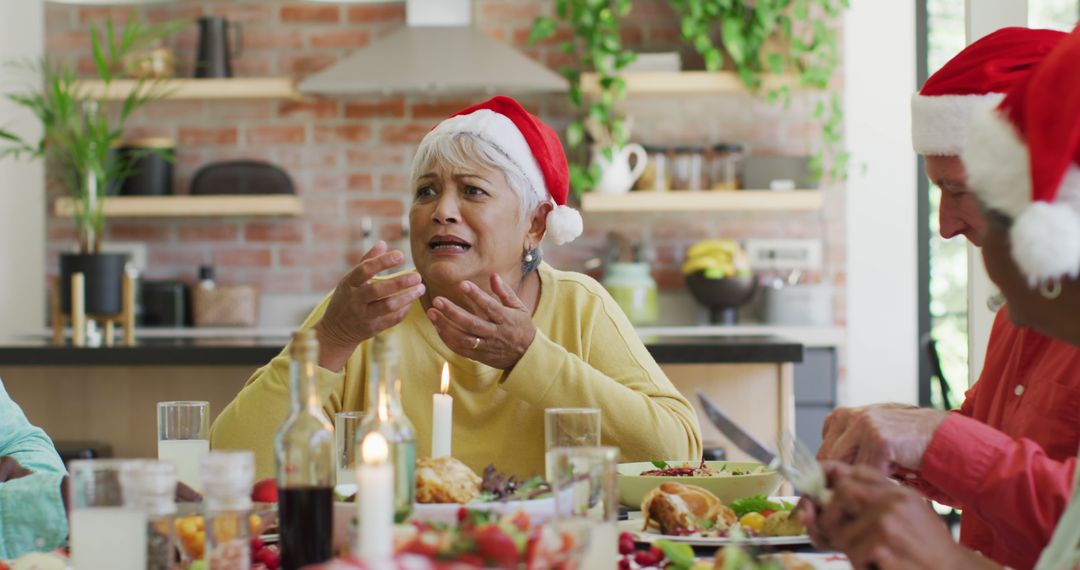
<point>1027,306</point>
<point>466,225</point>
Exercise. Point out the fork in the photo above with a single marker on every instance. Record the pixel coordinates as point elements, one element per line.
<point>799,466</point>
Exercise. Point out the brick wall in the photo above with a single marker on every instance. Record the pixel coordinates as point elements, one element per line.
<point>349,157</point>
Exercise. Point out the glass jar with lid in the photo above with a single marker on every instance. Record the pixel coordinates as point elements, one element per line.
<point>686,168</point>
<point>657,174</point>
<point>724,162</point>
<point>632,286</point>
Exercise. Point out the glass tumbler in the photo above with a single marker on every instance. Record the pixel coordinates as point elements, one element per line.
<point>183,430</point>
<point>569,427</point>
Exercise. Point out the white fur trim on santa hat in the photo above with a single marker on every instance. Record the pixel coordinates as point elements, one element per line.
<point>1046,242</point>
<point>564,224</point>
<point>500,131</point>
<point>996,162</point>
<point>939,123</point>
<point>1045,236</point>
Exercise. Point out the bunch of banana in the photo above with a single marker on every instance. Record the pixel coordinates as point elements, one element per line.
<point>717,258</point>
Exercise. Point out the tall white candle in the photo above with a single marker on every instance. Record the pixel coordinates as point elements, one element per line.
<point>442,414</point>
<point>376,499</point>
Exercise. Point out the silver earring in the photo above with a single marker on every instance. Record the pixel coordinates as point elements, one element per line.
<point>528,257</point>
<point>1051,289</point>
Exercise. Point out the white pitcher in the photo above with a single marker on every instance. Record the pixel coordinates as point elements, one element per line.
<point>616,175</point>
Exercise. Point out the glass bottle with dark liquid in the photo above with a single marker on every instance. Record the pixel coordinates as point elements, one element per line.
<point>304,450</point>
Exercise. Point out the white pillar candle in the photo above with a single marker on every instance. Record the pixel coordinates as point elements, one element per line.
<point>376,499</point>
<point>442,414</point>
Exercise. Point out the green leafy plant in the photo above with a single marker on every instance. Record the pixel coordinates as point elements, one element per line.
<point>78,129</point>
<point>596,41</point>
<point>809,51</point>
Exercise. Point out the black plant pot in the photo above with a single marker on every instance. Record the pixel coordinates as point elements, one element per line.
<point>103,274</point>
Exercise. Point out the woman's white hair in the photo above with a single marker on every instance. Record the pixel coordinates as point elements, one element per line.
<point>463,151</point>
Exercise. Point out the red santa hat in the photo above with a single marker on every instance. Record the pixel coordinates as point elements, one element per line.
<point>1023,159</point>
<point>531,145</point>
<point>978,76</point>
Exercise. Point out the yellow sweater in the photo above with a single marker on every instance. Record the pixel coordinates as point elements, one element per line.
<point>585,354</point>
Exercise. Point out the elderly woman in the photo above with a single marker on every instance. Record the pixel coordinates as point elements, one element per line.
<point>488,184</point>
<point>1023,163</point>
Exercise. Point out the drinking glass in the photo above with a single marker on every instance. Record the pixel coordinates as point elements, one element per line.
<point>569,427</point>
<point>183,430</point>
<point>587,502</point>
<point>108,524</point>
<point>346,428</point>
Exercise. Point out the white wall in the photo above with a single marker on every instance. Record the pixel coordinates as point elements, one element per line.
<point>879,78</point>
<point>22,183</point>
<point>981,18</point>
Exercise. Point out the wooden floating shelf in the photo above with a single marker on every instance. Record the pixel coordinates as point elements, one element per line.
<point>191,206</point>
<point>231,88</point>
<point>703,201</point>
<point>685,82</point>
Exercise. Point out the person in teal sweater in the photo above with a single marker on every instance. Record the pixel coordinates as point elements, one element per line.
<point>32,476</point>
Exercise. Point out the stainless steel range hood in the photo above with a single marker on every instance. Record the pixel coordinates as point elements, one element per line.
<point>439,52</point>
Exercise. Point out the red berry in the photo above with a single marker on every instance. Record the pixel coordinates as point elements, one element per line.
<point>626,545</point>
<point>657,553</point>
<point>624,564</point>
<point>256,544</point>
<point>644,558</point>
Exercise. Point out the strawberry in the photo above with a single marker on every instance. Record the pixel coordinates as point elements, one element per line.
<point>495,545</point>
<point>522,521</point>
<point>265,491</point>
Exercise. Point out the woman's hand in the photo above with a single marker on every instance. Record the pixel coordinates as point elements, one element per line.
<point>497,332</point>
<point>361,308</point>
<point>882,436</point>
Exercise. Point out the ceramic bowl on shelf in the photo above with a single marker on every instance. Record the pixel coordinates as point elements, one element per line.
<point>722,296</point>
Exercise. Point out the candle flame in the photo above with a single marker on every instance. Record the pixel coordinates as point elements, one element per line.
<point>374,448</point>
<point>444,384</point>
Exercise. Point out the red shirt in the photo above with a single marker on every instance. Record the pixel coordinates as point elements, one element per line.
<point>1007,456</point>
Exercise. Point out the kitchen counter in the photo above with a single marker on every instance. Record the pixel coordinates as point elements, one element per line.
<point>256,351</point>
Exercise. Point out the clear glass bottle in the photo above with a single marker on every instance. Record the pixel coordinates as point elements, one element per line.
<point>386,415</point>
<point>304,450</point>
<point>153,484</point>
<point>227,477</point>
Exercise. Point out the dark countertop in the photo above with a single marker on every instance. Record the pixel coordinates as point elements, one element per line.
<point>253,351</point>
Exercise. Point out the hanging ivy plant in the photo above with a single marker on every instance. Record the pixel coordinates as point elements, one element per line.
<point>596,41</point>
<point>811,53</point>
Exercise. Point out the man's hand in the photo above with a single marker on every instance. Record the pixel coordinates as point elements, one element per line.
<point>10,469</point>
<point>882,436</point>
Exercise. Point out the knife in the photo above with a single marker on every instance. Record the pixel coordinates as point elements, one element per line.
<point>739,436</point>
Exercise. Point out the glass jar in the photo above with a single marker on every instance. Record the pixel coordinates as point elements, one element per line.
<point>657,174</point>
<point>633,288</point>
<point>686,168</point>
<point>723,166</point>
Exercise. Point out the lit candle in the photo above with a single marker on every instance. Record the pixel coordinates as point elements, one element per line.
<point>442,413</point>
<point>376,499</point>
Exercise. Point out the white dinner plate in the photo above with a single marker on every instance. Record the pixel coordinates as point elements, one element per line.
<point>634,524</point>
<point>539,510</point>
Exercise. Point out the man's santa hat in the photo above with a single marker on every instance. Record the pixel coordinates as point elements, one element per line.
<point>978,76</point>
<point>532,146</point>
<point>1023,160</point>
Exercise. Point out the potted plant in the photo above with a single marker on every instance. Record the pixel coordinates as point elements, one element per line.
<point>79,131</point>
<point>596,39</point>
<point>798,38</point>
